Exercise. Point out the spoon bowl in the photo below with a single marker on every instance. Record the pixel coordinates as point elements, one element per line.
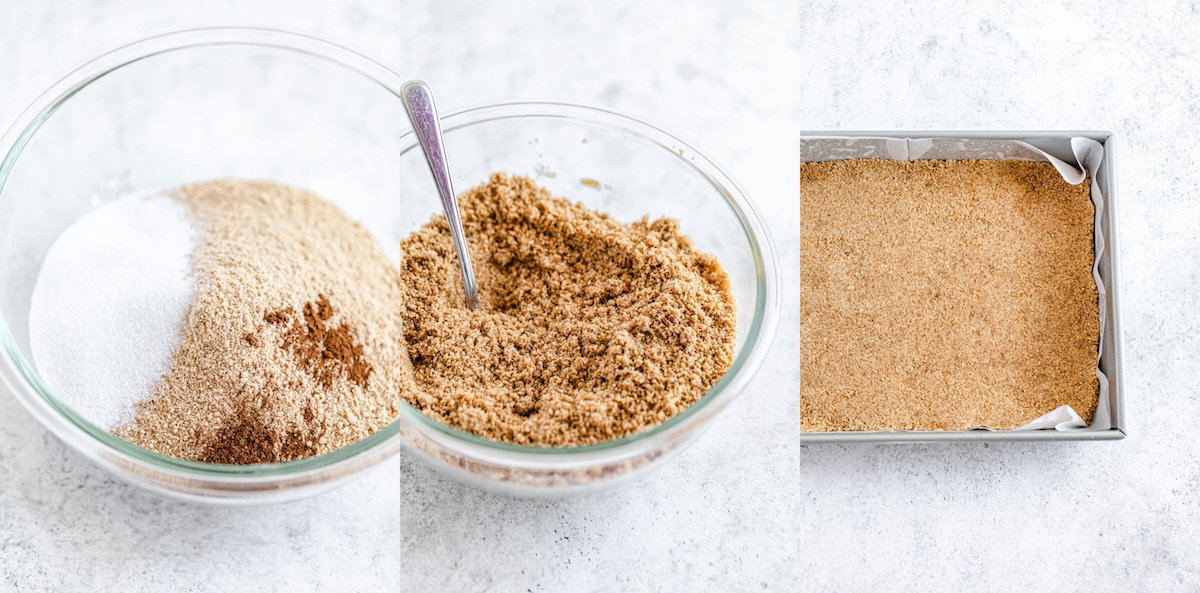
<point>418,104</point>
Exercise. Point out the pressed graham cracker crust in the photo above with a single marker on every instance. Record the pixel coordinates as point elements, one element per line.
<point>944,295</point>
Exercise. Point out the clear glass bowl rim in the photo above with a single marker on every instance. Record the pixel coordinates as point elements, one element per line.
<point>23,381</point>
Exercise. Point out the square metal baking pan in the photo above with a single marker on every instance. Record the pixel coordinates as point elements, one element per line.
<point>1111,356</point>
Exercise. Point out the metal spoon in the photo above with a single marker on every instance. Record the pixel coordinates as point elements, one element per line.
<point>418,102</point>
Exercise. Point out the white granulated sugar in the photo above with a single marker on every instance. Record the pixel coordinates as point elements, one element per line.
<point>109,305</point>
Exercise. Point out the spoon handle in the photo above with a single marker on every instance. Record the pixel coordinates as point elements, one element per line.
<point>418,102</point>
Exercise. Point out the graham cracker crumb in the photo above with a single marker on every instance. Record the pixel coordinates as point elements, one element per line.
<point>944,295</point>
<point>293,345</point>
<point>590,329</point>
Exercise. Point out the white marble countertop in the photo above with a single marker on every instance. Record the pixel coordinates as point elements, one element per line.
<point>746,508</point>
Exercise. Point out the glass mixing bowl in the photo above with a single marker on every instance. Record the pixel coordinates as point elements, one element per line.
<point>179,108</point>
<point>628,169</point>
<point>254,103</point>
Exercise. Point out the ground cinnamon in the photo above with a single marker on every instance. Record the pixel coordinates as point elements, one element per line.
<point>326,353</point>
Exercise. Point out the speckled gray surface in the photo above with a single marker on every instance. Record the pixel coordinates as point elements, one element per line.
<point>722,515</point>
<point>1115,516</point>
<point>736,511</point>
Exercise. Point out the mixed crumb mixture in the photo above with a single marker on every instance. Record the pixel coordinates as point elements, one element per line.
<point>590,329</point>
<point>944,295</point>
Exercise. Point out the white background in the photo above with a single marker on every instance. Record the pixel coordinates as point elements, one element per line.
<point>746,508</point>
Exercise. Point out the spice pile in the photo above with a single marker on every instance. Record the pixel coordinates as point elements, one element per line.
<point>944,295</point>
<point>292,345</point>
<point>590,329</point>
